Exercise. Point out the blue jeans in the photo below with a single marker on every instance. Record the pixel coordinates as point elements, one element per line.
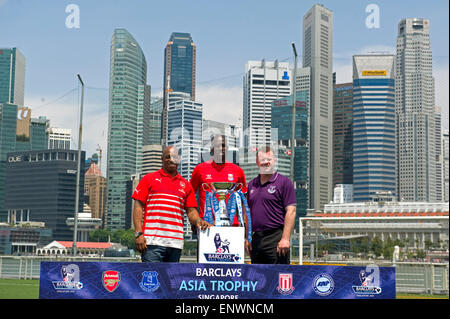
<point>157,254</point>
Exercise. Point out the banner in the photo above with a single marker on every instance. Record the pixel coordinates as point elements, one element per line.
<point>109,280</point>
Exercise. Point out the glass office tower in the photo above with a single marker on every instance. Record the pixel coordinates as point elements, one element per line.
<point>282,123</point>
<point>40,186</point>
<point>12,76</point>
<point>374,152</point>
<point>128,100</point>
<point>179,71</point>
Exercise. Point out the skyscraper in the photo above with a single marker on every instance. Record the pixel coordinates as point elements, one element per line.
<point>343,134</point>
<point>282,122</point>
<point>414,106</point>
<point>12,76</point>
<point>18,132</point>
<point>317,54</point>
<point>128,100</point>
<point>154,122</point>
<point>264,82</point>
<point>41,186</point>
<point>373,126</point>
<point>446,166</point>
<point>179,71</point>
<point>185,127</point>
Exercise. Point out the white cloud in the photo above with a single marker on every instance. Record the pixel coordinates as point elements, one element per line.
<point>65,114</point>
<point>222,104</point>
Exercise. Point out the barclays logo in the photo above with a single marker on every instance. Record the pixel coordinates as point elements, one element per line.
<point>323,284</point>
<point>285,76</point>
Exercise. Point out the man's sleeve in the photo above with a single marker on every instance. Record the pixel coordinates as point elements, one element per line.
<point>190,198</point>
<point>289,197</point>
<point>195,179</point>
<point>141,191</point>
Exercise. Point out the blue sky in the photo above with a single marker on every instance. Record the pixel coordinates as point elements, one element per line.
<point>227,35</point>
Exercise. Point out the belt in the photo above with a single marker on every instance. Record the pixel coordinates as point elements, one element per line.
<point>267,231</point>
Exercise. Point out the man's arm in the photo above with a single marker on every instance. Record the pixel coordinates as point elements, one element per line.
<point>195,220</point>
<point>138,218</point>
<point>248,246</point>
<point>289,221</point>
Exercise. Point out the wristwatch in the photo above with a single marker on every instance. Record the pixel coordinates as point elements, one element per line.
<point>137,234</point>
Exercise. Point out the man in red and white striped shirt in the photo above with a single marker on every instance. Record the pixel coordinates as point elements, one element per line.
<point>161,200</point>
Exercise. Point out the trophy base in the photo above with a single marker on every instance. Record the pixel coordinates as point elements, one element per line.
<point>221,245</point>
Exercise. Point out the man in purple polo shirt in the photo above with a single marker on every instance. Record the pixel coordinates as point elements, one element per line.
<point>272,201</point>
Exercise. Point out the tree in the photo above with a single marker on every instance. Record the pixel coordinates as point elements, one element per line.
<point>421,254</point>
<point>99,235</point>
<point>376,246</point>
<point>428,244</point>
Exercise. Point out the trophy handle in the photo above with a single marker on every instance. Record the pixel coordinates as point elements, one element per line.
<point>237,187</point>
<point>208,187</point>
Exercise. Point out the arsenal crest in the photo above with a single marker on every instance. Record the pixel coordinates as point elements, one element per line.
<point>111,280</point>
<point>285,286</point>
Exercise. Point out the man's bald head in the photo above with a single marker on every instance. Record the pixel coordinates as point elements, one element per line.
<point>170,159</point>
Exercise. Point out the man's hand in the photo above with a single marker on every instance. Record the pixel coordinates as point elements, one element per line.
<point>201,224</point>
<point>196,221</point>
<point>283,247</point>
<point>248,247</point>
<point>141,244</point>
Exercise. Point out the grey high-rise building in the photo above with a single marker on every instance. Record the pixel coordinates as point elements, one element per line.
<point>264,82</point>
<point>12,76</point>
<point>446,167</point>
<point>317,54</point>
<point>129,98</point>
<point>179,72</point>
<point>415,112</point>
<point>185,127</point>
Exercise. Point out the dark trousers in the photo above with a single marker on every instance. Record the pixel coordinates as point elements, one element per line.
<point>264,247</point>
<point>158,254</point>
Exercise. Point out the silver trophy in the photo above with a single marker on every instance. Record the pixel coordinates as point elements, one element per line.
<point>222,189</point>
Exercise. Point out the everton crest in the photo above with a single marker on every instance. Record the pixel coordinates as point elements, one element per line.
<point>149,281</point>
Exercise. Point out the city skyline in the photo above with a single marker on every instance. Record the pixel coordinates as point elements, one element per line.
<point>220,69</point>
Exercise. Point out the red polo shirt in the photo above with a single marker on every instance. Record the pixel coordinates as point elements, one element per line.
<point>210,171</point>
<point>166,199</point>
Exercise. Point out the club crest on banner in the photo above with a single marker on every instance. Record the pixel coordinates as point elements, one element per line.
<point>149,282</point>
<point>111,280</point>
<point>285,286</point>
<point>323,284</point>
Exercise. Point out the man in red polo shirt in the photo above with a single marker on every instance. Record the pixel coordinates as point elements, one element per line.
<point>217,169</point>
<point>161,199</point>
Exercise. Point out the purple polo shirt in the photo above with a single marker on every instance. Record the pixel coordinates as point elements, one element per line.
<point>268,202</point>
